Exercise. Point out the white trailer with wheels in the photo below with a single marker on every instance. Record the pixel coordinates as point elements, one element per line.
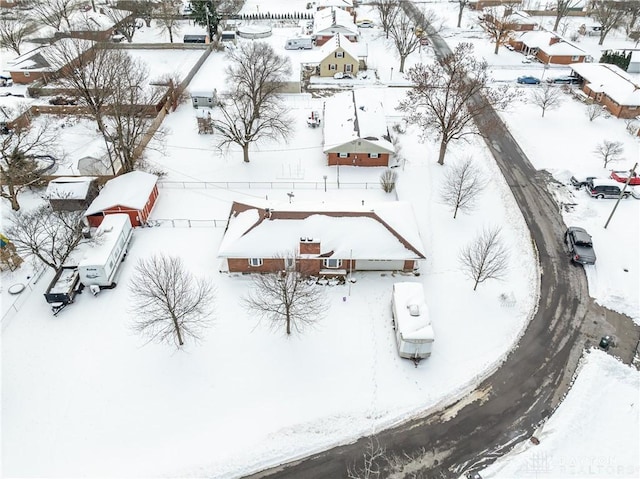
<point>103,256</point>
<point>414,332</point>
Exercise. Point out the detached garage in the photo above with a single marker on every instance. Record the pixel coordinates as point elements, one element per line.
<point>133,193</point>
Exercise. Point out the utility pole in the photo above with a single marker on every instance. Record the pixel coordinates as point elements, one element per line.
<point>631,174</point>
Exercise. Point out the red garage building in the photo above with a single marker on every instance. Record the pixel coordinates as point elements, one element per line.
<point>133,193</point>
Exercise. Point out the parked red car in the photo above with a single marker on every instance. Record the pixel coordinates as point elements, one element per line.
<point>622,177</point>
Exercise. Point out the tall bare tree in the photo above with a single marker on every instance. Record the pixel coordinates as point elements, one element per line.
<point>286,298</point>
<point>448,97</point>
<point>131,113</point>
<point>124,20</point>
<point>168,18</point>
<point>498,24</point>
<point>406,35</point>
<point>562,8</point>
<point>594,111</point>
<point>20,148</point>
<point>14,32</point>
<point>485,257</point>
<point>252,109</point>
<point>461,6</point>
<point>547,97</point>
<point>463,182</point>
<point>609,151</point>
<point>632,9</point>
<point>610,14</point>
<point>387,10</point>
<point>169,303</point>
<point>54,12</point>
<point>47,235</point>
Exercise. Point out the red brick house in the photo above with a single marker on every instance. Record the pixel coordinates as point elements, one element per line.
<point>611,87</point>
<point>355,129</point>
<point>320,238</point>
<point>548,48</point>
<point>133,193</point>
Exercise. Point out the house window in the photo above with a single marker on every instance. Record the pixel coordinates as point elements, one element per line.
<point>575,58</point>
<point>333,66</point>
<point>255,262</point>
<point>348,68</point>
<point>343,155</point>
<point>339,54</point>
<point>332,263</point>
<point>374,155</point>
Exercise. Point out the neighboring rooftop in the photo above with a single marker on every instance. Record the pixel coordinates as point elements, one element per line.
<point>131,190</point>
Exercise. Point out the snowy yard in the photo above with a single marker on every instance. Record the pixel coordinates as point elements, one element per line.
<point>81,389</point>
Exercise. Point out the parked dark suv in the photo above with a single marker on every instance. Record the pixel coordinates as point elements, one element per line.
<point>580,245</point>
<point>605,188</point>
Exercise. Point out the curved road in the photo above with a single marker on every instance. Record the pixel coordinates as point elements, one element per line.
<point>509,405</point>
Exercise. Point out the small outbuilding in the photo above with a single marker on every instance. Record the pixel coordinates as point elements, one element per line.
<point>204,98</point>
<point>133,193</point>
<point>72,193</point>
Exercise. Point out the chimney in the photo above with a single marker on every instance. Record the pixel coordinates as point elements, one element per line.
<point>553,40</point>
<point>309,246</point>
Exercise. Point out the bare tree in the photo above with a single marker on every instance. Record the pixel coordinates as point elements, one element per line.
<point>632,9</point>
<point>387,12</point>
<point>463,182</point>
<point>170,304</point>
<point>609,151</point>
<point>131,113</point>
<point>461,6</point>
<point>388,180</point>
<point>562,8</point>
<point>252,110</point>
<point>448,97</point>
<point>547,97</point>
<point>610,14</point>
<point>21,147</point>
<point>112,86</point>
<point>373,462</point>
<point>13,32</point>
<point>286,297</point>
<point>48,235</point>
<point>54,12</point>
<point>168,18</point>
<point>594,111</point>
<point>485,257</point>
<point>124,20</point>
<point>406,36</point>
<point>498,25</point>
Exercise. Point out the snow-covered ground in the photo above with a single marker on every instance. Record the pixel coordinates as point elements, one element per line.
<point>583,437</point>
<point>80,389</point>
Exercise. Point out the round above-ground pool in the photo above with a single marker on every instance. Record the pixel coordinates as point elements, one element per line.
<point>254,31</point>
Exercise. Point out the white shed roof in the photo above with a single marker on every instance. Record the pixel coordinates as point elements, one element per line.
<point>71,188</point>
<point>610,79</point>
<point>131,190</point>
<point>376,233</point>
<point>355,115</point>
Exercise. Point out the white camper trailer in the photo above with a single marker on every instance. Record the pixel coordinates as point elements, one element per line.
<point>102,259</point>
<point>299,43</point>
<point>414,333</point>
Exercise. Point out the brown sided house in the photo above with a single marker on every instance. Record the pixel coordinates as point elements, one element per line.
<point>133,193</point>
<point>324,239</point>
<point>611,87</point>
<point>355,129</point>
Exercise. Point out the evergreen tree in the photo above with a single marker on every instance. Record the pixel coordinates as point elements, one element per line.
<point>205,14</point>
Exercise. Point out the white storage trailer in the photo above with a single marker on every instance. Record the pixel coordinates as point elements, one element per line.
<point>299,43</point>
<point>414,332</point>
<point>102,259</point>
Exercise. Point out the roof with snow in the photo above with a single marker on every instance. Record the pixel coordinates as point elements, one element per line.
<point>409,298</point>
<point>611,80</point>
<point>39,58</point>
<point>105,238</point>
<point>131,190</point>
<point>335,3</point>
<point>541,40</point>
<point>499,12</point>
<point>333,20</point>
<point>355,115</point>
<point>69,188</point>
<point>343,230</point>
<point>340,41</point>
